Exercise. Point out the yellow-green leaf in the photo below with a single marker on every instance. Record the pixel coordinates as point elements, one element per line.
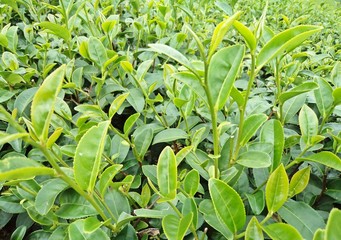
<point>44,101</point>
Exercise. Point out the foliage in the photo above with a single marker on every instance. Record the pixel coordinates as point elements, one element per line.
<point>170,119</point>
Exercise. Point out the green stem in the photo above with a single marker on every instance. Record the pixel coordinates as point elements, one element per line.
<point>243,109</point>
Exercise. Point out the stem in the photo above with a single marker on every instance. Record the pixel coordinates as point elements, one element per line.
<point>243,109</point>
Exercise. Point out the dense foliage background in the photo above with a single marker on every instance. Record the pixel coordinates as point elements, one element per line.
<point>169,120</point>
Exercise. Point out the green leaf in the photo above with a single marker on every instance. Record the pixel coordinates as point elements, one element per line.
<point>169,135</point>
<point>43,102</point>
<point>277,189</point>
<point>129,123</point>
<point>117,203</point>
<point>220,32</point>
<point>237,96</point>
<point>302,88</point>
<point>167,174</point>
<point>222,72</point>
<point>247,34</point>
<point>207,209</point>
<point>48,194</point>
<point>272,132</point>
<point>74,206</point>
<point>324,97</point>
<point>254,230</point>
<point>143,140</point>
<point>254,159</point>
<point>172,53</point>
<point>116,104</point>
<point>320,235</point>
<point>333,230</point>
<point>299,181</point>
<point>107,176</point>
<point>337,96</point>
<point>256,201</point>
<point>191,182</point>
<point>78,231</point>
<point>328,159</point>
<point>56,29</point>
<point>308,124</point>
<point>193,83</point>
<point>251,125</point>
<point>19,233</point>
<point>292,106</point>
<point>228,205</point>
<point>97,52</point>
<point>3,40</point>
<point>88,156</point>
<point>303,217</point>
<point>285,41</point>
<point>282,231</point>
<point>175,228</point>
<point>6,138</point>
<point>12,168</point>
<point>336,74</point>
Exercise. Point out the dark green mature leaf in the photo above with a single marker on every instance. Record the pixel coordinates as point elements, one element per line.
<point>285,41</point>
<point>78,230</point>
<point>228,205</point>
<point>256,201</point>
<point>328,159</point>
<point>333,230</point>
<point>251,125</point>
<point>167,174</point>
<point>222,72</point>
<point>207,209</point>
<point>282,231</point>
<point>175,228</point>
<point>272,132</point>
<point>48,194</point>
<point>169,135</point>
<point>22,168</point>
<point>143,140</point>
<point>19,233</point>
<point>43,102</point>
<point>303,217</point>
<point>88,156</point>
<point>277,189</point>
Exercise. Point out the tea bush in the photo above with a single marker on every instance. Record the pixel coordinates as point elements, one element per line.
<point>170,119</point>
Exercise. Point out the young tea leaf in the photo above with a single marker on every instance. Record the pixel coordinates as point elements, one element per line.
<point>333,230</point>
<point>191,182</point>
<point>328,159</point>
<point>222,72</point>
<point>254,159</point>
<point>254,230</point>
<point>88,156</point>
<point>299,181</point>
<point>308,124</point>
<point>282,231</point>
<point>285,41</point>
<point>277,189</point>
<point>43,102</point>
<point>251,125</point>
<point>175,228</point>
<point>167,174</point>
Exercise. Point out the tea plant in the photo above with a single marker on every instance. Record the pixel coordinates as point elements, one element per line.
<point>170,120</point>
